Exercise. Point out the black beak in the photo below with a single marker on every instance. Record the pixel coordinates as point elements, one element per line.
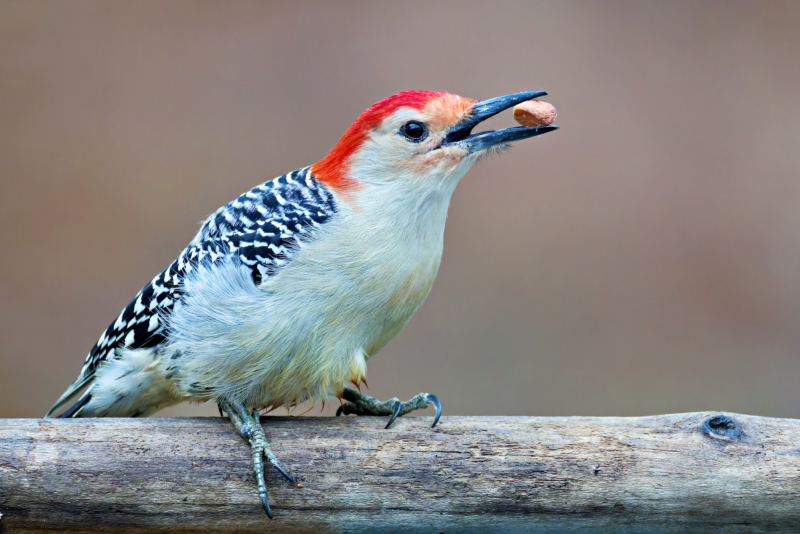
<point>462,132</point>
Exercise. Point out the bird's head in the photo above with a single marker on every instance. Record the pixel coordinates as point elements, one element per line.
<point>419,137</point>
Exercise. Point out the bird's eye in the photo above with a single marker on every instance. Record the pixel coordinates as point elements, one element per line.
<point>414,131</point>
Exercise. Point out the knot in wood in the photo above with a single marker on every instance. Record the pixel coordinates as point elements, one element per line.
<point>722,427</point>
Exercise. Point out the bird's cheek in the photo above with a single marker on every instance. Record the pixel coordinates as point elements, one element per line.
<point>443,159</point>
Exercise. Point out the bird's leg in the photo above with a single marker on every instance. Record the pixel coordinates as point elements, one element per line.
<point>360,404</point>
<point>248,426</point>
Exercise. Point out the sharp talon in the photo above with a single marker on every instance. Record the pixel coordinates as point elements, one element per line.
<point>436,402</point>
<point>220,411</point>
<point>397,406</point>
<point>285,474</point>
<point>339,411</point>
<point>266,507</point>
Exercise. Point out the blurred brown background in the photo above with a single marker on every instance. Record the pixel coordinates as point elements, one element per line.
<point>644,259</point>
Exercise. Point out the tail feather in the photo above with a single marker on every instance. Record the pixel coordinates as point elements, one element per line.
<point>73,390</point>
<point>75,408</point>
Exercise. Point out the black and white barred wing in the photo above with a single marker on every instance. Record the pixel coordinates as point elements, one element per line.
<point>262,227</point>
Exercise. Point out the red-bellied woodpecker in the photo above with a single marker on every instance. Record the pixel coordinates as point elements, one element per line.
<point>286,292</point>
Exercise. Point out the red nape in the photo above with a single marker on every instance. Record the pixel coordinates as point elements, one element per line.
<point>332,169</point>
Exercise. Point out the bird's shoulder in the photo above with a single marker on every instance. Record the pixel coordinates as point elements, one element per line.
<point>264,225</point>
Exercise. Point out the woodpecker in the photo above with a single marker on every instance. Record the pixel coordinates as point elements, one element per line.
<point>286,292</point>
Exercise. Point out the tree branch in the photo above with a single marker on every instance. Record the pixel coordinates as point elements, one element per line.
<point>695,472</point>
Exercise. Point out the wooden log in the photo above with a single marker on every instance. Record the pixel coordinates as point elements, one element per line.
<point>694,472</point>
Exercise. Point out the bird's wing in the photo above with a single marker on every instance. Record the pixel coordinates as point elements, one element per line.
<point>262,227</point>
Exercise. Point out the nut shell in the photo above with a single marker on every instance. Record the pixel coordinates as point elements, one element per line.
<point>534,113</point>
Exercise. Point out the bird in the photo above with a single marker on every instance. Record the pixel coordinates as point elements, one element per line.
<point>286,292</point>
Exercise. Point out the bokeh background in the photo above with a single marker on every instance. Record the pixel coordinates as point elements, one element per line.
<point>643,259</point>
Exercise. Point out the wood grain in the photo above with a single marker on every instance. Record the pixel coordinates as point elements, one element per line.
<point>669,473</point>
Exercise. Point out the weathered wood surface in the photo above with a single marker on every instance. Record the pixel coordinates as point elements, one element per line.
<point>669,473</point>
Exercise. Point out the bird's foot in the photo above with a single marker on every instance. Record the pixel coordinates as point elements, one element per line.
<point>360,404</point>
<point>248,426</point>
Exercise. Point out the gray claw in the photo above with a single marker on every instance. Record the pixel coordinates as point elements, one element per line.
<point>339,411</point>
<point>397,406</point>
<point>436,402</point>
<point>266,507</point>
<point>285,474</point>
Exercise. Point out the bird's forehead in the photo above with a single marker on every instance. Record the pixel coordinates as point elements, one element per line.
<point>446,110</point>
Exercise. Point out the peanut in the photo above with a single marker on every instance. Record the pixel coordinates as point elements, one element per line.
<point>534,113</point>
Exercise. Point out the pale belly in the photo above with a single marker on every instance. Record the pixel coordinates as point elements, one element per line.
<point>298,337</point>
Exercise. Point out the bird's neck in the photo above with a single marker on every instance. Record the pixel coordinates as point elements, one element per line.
<point>404,206</point>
